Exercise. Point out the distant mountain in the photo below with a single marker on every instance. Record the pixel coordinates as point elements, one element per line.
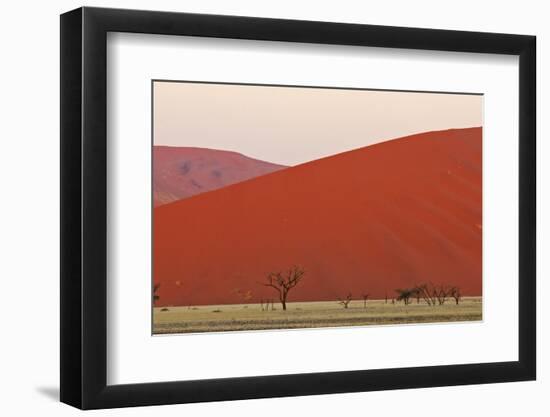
<point>374,219</point>
<point>181,172</point>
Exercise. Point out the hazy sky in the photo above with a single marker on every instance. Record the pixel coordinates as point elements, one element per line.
<point>290,126</point>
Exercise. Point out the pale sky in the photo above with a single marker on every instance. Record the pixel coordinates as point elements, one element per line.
<point>289,126</point>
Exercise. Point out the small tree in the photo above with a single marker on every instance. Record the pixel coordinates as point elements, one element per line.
<point>455,293</point>
<point>345,302</point>
<point>405,295</point>
<point>441,294</point>
<point>365,298</point>
<point>284,282</point>
<point>428,293</point>
<point>156,297</point>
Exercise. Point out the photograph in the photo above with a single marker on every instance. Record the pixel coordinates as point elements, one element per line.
<point>291,207</point>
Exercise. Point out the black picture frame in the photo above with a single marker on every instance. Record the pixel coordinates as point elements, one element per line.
<point>84,207</point>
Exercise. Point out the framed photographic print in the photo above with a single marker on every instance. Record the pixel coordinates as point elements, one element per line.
<point>257,208</point>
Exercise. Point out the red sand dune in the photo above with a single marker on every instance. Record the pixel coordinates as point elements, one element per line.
<point>370,220</point>
<point>180,172</point>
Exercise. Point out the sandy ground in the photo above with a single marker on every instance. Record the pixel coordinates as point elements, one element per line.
<point>234,317</point>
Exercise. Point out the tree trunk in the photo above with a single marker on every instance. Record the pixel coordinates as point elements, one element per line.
<point>283,302</point>
<point>284,294</point>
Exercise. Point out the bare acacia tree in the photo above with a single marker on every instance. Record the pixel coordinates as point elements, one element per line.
<point>365,297</point>
<point>454,292</point>
<point>428,293</point>
<point>345,302</point>
<point>434,294</point>
<point>155,295</point>
<point>441,293</point>
<point>284,282</point>
<point>405,294</point>
<point>417,295</point>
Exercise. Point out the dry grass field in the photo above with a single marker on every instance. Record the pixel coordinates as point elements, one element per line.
<point>223,318</point>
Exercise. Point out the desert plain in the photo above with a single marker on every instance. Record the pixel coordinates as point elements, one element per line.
<point>301,315</point>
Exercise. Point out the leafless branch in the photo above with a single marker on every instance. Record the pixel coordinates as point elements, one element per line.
<point>284,282</point>
<point>345,302</point>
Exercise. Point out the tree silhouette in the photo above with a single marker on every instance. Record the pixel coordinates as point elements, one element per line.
<point>345,302</point>
<point>405,294</point>
<point>365,297</point>
<point>428,293</point>
<point>441,293</point>
<point>156,297</point>
<point>456,294</point>
<point>284,282</point>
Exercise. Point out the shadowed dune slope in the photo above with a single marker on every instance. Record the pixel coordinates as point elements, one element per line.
<point>181,172</point>
<point>370,220</point>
